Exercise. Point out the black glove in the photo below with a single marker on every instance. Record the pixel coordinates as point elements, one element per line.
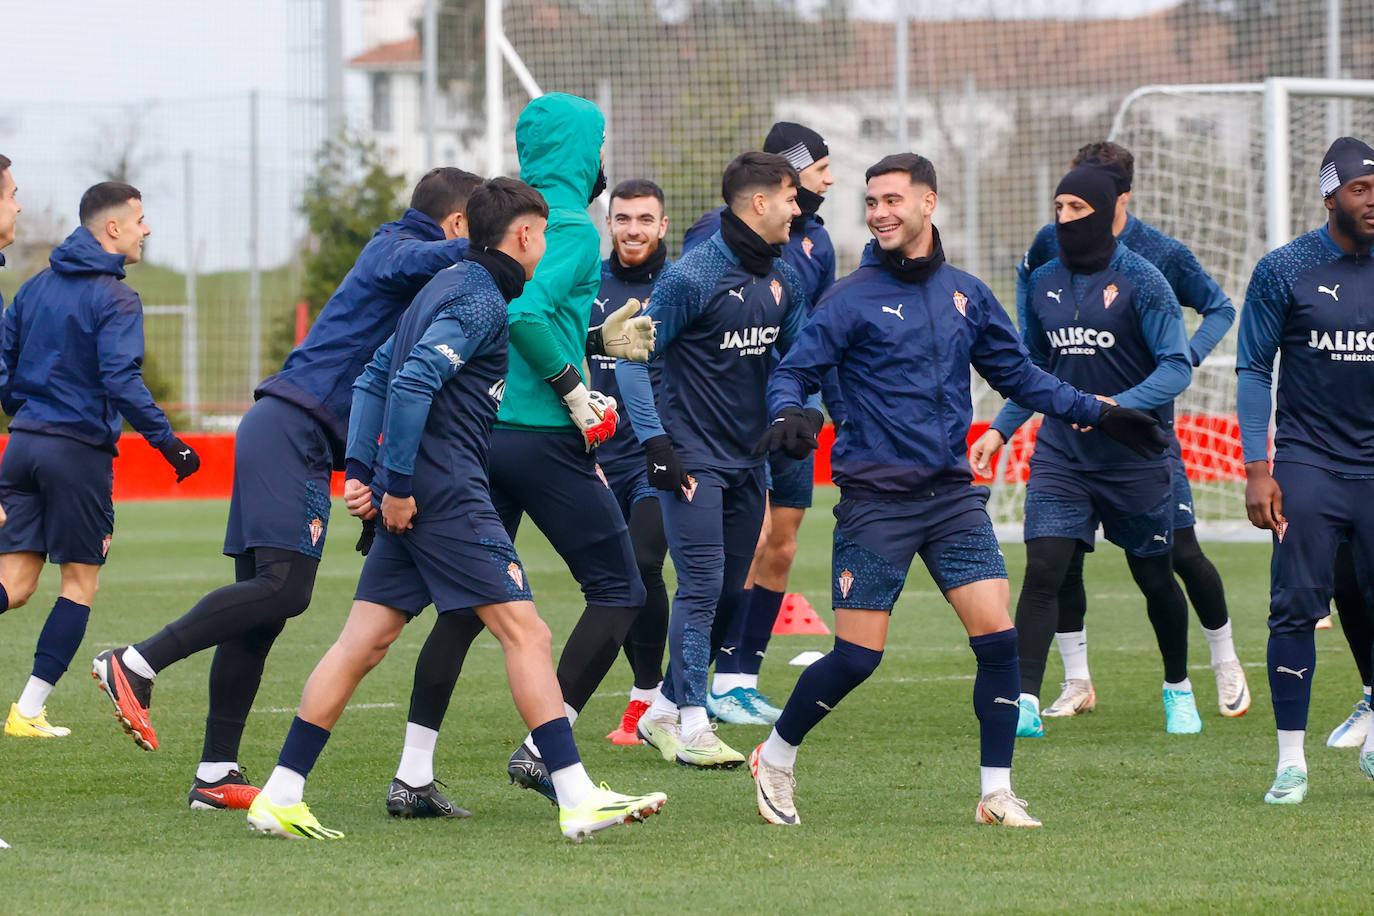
<point>1135,429</point>
<point>665,467</point>
<point>816,419</point>
<point>791,433</point>
<point>182,458</point>
<point>365,539</point>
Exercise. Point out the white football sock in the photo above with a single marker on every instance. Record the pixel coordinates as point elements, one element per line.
<point>214,771</point>
<point>1034,701</point>
<point>642,695</point>
<point>663,709</point>
<point>1220,642</point>
<point>778,752</point>
<point>529,739</point>
<point>1290,750</point>
<point>35,694</point>
<point>416,768</point>
<point>994,778</point>
<point>722,684</point>
<point>749,681</point>
<point>284,787</point>
<point>693,721</point>
<point>1185,685</point>
<point>1073,649</point>
<point>572,785</point>
<point>136,663</point>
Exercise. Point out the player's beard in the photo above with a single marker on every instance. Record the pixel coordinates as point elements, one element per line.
<point>1353,227</point>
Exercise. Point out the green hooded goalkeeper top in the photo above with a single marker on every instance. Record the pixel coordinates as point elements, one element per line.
<point>558,139</point>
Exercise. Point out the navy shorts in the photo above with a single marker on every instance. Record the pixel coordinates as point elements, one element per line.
<point>453,564</point>
<point>1321,510</point>
<point>629,482</point>
<point>790,481</point>
<point>1183,491</point>
<point>549,476</point>
<point>58,494</point>
<point>1134,506</point>
<point>282,463</point>
<point>876,540</point>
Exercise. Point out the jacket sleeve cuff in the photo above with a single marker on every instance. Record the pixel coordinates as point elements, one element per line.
<point>358,470</point>
<point>399,485</point>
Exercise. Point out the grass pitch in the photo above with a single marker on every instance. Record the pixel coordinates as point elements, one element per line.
<point>1134,819</point>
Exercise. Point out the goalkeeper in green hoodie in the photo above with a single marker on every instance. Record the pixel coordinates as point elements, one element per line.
<point>541,459</point>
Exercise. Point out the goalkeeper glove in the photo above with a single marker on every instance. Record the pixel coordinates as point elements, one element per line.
<point>1135,429</point>
<point>625,334</point>
<point>592,412</point>
<point>665,467</point>
<point>791,432</point>
<point>181,457</point>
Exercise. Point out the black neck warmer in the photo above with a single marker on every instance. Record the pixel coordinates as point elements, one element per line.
<point>644,272</point>
<point>913,270</point>
<point>504,269</point>
<point>755,255</point>
<point>1086,245</point>
<point>598,186</point>
<point>809,201</point>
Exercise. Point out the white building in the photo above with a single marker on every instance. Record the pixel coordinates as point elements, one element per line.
<point>395,107</point>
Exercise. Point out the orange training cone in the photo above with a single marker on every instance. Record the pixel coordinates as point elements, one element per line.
<point>797,616</point>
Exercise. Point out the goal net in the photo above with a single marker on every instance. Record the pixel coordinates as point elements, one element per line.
<point>1200,177</point>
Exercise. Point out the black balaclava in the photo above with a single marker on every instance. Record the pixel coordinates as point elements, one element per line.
<point>1346,160</point>
<point>644,272</point>
<point>755,255</point>
<point>1086,245</point>
<point>801,147</point>
<point>912,270</point>
<point>504,269</point>
<point>598,187</point>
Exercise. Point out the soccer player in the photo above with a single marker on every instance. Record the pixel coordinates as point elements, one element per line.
<point>903,330</point>
<point>432,392</point>
<point>549,422</point>
<point>637,225</point>
<point>72,353</point>
<point>723,308</point>
<point>1311,300</point>
<point>1195,290</point>
<point>734,695</point>
<point>1101,317</point>
<point>284,450</point>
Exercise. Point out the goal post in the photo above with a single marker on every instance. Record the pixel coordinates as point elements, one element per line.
<point>1230,170</point>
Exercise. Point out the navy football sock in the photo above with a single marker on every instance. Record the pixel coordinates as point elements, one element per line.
<point>1292,656</point>
<point>728,656</point>
<point>61,637</point>
<point>556,746</point>
<point>822,686</point>
<point>995,695</point>
<point>761,614</point>
<point>303,745</point>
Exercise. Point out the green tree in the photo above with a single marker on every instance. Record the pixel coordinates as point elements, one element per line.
<point>350,194</point>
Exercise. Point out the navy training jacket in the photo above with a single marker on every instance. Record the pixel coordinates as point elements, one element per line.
<point>72,351</point>
<point>393,267</point>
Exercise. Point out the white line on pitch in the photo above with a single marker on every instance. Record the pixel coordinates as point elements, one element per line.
<point>355,706</point>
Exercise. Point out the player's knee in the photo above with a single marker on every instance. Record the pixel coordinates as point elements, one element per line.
<point>1295,611</point>
<point>1043,573</point>
<point>20,593</point>
<point>855,662</point>
<point>1187,552</point>
<point>289,584</point>
<point>780,555</point>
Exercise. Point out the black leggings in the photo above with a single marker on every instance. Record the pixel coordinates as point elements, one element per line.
<point>1199,576</point>
<point>1355,609</point>
<point>1048,565</point>
<point>649,633</point>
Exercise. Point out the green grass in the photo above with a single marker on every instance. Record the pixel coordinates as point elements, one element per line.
<point>1134,819</point>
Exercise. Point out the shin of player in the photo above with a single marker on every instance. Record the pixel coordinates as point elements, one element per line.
<point>431,395</point>
<point>903,475</point>
<point>1311,300</point>
<point>72,351</point>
